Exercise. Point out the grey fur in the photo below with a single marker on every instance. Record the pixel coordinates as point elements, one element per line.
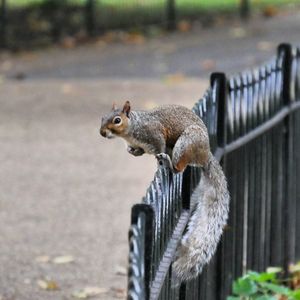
<point>175,134</point>
<point>210,204</point>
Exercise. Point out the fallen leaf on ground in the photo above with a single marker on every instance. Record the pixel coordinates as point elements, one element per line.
<point>208,64</point>
<point>48,285</point>
<point>238,32</point>
<point>270,11</point>
<point>120,270</point>
<point>6,65</point>
<point>88,292</point>
<point>119,293</point>
<point>68,42</point>
<point>63,259</point>
<point>67,89</point>
<point>265,46</point>
<point>175,78</point>
<point>42,259</point>
<point>184,26</point>
<point>134,38</point>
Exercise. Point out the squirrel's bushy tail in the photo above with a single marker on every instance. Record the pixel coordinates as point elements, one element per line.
<point>210,205</point>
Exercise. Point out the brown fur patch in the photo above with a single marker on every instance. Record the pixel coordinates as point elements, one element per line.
<point>118,129</point>
<point>182,163</point>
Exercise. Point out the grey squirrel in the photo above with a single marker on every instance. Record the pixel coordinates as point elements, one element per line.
<point>178,138</point>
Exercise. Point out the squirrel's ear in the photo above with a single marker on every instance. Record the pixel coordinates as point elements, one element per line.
<point>114,107</point>
<point>126,108</point>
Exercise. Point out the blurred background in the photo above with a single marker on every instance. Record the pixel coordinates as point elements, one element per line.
<point>66,192</point>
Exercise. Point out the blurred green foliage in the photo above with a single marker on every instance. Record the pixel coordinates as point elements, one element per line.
<point>267,285</point>
<point>205,4</point>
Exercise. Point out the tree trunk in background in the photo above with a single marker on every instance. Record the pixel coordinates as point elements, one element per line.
<point>171,14</point>
<point>245,9</point>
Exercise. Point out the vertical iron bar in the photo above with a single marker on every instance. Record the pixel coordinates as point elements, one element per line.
<point>3,24</point>
<point>277,197</point>
<point>221,98</point>
<point>240,201</point>
<point>171,14</point>
<point>212,287</point>
<point>149,214</point>
<point>186,188</point>
<point>219,81</point>
<point>289,202</point>
<point>257,210</point>
<point>297,176</point>
<point>245,9</point>
<point>182,292</point>
<point>202,284</point>
<point>263,232</point>
<point>268,223</point>
<point>90,17</point>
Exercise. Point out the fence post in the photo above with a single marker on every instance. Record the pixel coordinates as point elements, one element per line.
<point>90,17</point>
<point>218,81</point>
<point>3,24</point>
<point>148,212</point>
<point>289,205</point>
<point>171,14</point>
<point>244,9</point>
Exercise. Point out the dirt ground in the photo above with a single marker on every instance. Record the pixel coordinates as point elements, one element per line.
<point>66,191</point>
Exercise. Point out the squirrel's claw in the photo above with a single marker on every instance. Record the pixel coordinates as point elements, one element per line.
<point>135,151</point>
<point>164,160</point>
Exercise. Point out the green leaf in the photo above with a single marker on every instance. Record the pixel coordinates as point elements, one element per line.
<point>233,298</point>
<point>278,289</point>
<point>295,295</point>
<point>274,270</point>
<point>262,277</point>
<point>244,286</point>
<point>265,297</point>
<point>295,268</point>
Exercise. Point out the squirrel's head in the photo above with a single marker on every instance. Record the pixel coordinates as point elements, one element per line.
<point>116,122</point>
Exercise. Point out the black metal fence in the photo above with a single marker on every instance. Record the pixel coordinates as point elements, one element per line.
<point>49,21</point>
<point>253,121</point>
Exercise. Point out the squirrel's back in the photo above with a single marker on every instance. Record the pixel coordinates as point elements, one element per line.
<point>172,120</point>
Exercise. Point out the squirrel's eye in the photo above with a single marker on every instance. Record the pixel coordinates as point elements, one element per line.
<point>117,120</point>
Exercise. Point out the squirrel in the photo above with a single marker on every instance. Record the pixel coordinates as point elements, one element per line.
<point>178,138</point>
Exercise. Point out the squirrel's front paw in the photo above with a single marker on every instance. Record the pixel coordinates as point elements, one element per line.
<point>135,151</point>
<point>164,160</point>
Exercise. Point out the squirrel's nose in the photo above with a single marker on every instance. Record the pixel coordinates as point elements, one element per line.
<point>103,132</point>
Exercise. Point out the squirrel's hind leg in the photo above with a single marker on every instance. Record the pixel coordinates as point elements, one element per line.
<point>191,148</point>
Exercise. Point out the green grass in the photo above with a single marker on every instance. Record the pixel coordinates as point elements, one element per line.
<point>204,4</point>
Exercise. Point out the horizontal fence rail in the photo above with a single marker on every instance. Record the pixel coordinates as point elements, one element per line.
<point>253,121</point>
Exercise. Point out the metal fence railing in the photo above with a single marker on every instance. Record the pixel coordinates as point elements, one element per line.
<point>253,120</point>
